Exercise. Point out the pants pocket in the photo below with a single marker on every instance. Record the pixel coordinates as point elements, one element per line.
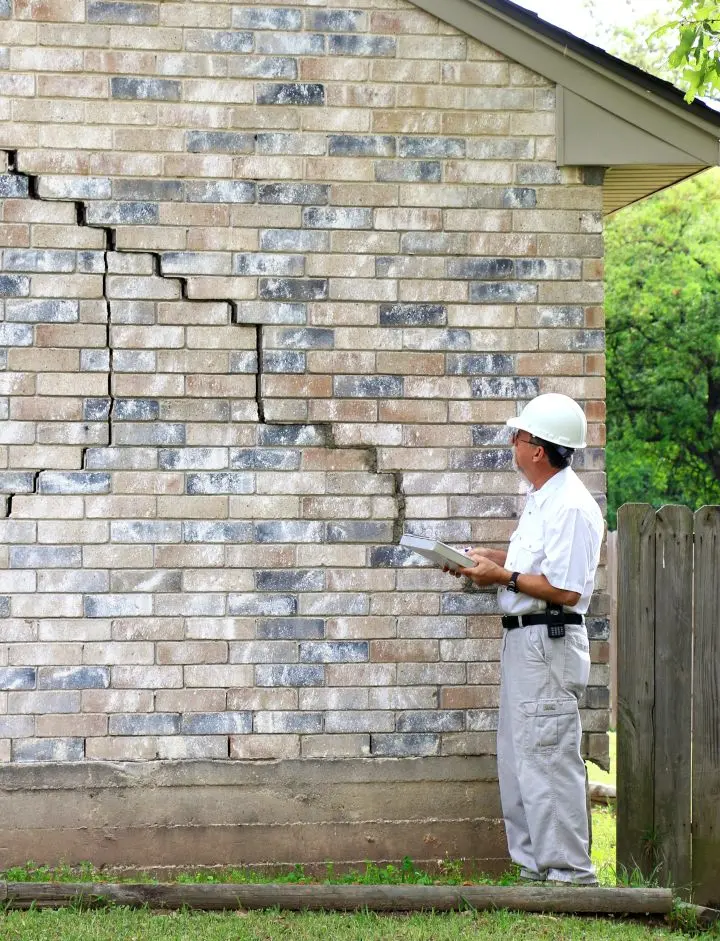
<point>576,668</point>
<point>550,724</point>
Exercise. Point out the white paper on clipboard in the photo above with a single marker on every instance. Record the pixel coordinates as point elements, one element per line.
<point>437,552</point>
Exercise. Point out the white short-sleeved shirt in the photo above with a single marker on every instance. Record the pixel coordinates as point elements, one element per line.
<point>558,536</point>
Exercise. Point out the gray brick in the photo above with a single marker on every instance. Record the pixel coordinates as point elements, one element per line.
<point>288,435</point>
<point>95,360</point>
<point>116,11</point>
<point>289,674</point>
<point>480,364</point>
<point>519,197</point>
<point>256,605</point>
<point>469,603</point>
<point>413,315</point>
<point>375,46</point>
<point>337,218</point>
<point>337,21</point>
<point>408,171</point>
<point>595,697</point>
<point>291,629</point>
<point>452,339</point>
<point>431,721</point>
<point>17,726</point>
<point>13,186</point>
<point>486,459</point>
<point>160,190</point>
<point>96,409</point>
<point>473,268</point>
<point>431,147</point>
<point>264,458</point>
<point>14,285</point>
<point>117,605</point>
<point>538,173</point>
<point>287,44</point>
<point>266,18</point>
<point>516,388</point>
<point>294,240</point>
<point>216,723</point>
<point>192,458</point>
<point>556,269</point>
<point>264,67</point>
<point>392,557</point>
<point>73,482</point>
<point>121,213</point>
<point>304,723</point>
<point>17,677</point>
<point>290,580</point>
<point>360,531</point>
<point>335,652</point>
<point>145,531</point>
<point>48,749</point>
<point>17,482</point>
<point>68,187</point>
<point>501,148</point>
<point>487,435</point>
<point>315,194</point>
<point>504,292</point>
<point>121,458</point>
<point>4,606</point>
<point>154,433</point>
<point>42,557</point>
<point>146,89</point>
<point>560,316</point>
<point>281,531</point>
<point>220,482</point>
<point>587,341</point>
<point>15,334</point>
<point>38,259</point>
<point>73,678</point>
<point>361,387</point>
<point>245,362</point>
<point>446,531</point>
<point>220,191</point>
<point>404,746</point>
<point>205,40</point>
<point>135,409</point>
<point>482,720</point>
<point>290,93</point>
<point>217,532</point>
<point>156,723</point>
<point>293,289</point>
<point>283,361</point>
<point>348,145</point>
<point>310,338</point>
<point>598,628</point>
<point>219,142</point>
<point>594,176</point>
<point>134,361</point>
<point>251,263</point>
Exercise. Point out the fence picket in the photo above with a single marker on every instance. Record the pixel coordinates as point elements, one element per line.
<point>706,709</point>
<point>673,692</point>
<point>636,686</point>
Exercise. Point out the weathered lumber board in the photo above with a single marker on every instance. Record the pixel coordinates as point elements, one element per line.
<point>343,897</point>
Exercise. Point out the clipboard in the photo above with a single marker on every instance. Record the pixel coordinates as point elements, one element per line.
<point>436,552</point>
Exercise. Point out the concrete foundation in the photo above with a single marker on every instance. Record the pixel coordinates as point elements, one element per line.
<point>260,814</point>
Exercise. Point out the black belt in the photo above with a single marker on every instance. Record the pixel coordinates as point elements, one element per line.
<point>511,621</point>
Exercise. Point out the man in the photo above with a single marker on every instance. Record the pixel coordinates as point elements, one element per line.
<point>546,579</point>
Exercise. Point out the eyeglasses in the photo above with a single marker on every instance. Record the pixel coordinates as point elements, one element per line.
<point>515,437</point>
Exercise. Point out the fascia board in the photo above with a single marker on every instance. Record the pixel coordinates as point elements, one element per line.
<point>588,79</point>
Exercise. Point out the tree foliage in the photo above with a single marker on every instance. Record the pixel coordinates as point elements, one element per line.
<point>697,51</point>
<point>663,337</point>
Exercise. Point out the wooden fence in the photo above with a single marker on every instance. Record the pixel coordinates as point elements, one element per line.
<point>668,693</point>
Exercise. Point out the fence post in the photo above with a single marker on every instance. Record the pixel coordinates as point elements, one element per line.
<point>612,575</point>
<point>636,686</point>
<point>673,693</point>
<point>706,709</point>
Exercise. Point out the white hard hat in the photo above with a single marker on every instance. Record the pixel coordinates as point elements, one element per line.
<point>555,418</point>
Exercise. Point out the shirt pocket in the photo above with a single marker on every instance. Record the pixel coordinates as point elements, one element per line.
<point>524,551</point>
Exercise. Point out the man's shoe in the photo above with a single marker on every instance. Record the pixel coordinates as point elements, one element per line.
<point>567,883</point>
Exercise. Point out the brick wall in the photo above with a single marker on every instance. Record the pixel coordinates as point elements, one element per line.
<point>273,277</point>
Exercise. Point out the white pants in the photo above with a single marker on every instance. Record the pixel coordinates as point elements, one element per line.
<point>541,771</point>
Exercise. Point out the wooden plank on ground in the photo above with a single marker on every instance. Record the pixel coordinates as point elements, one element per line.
<point>673,694</point>
<point>706,710</point>
<point>345,897</point>
<point>636,686</point>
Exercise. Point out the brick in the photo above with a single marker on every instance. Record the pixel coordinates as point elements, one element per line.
<point>368,386</point>
<point>204,40</point>
<point>48,749</point>
<point>118,605</point>
<point>14,286</point>
<point>117,11</point>
<point>289,675</point>
<point>269,605</point>
<point>373,46</point>
<point>334,652</point>
<point>404,745</point>
<point>267,18</point>
<point>221,723</point>
<point>289,580</point>
<point>290,93</point>
<point>17,678</point>
<point>346,145</point>
<point>413,315</point>
<point>151,89</point>
<point>264,747</point>
<point>152,724</point>
<point>291,629</point>
<point>73,678</point>
<point>288,722</point>
<point>287,289</point>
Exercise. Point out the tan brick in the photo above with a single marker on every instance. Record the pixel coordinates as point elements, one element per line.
<point>89,725</point>
<point>118,556</point>
<point>405,22</point>
<point>550,364</point>
<point>193,652</point>
<point>263,747</point>
<point>468,743</point>
<point>139,482</point>
<point>262,698</point>
<point>190,556</point>
<point>339,120</point>
<point>343,410</point>
<point>190,700</point>
<point>44,456</point>
<point>340,745</point>
<point>111,700</point>
<point>407,121</point>
<point>122,748</point>
<point>403,651</point>
<point>340,69</point>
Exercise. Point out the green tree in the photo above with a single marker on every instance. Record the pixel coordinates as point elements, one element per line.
<point>696,25</point>
<point>663,339</point>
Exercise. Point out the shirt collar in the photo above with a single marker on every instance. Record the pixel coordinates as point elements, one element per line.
<point>550,486</point>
